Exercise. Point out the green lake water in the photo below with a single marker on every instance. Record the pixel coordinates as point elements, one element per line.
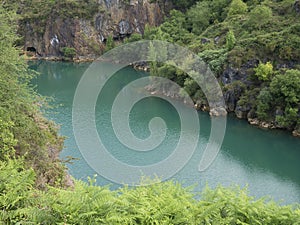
<point>268,162</point>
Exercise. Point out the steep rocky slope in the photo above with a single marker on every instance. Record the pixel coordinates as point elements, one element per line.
<point>48,30</point>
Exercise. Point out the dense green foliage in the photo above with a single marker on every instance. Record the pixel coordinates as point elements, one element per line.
<point>264,71</point>
<point>282,95</point>
<point>260,16</point>
<point>237,7</point>
<point>24,132</point>
<point>157,203</point>
<point>251,40</point>
<point>68,52</point>
<point>230,40</point>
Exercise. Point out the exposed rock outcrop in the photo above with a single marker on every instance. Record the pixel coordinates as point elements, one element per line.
<point>296,6</point>
<point>262,124</point>
<point>242,112</point>
<point>117,19</point>
<point>233,73</point>
<point>218,111</point>
<point>296,133</point>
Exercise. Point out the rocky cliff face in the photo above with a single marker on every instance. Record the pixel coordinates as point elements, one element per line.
<point>114,18</point>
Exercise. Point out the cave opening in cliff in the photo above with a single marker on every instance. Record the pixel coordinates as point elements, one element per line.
<point>31,49</point>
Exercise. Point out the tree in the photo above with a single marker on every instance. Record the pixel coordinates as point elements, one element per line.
<point>237,7</point>
<point>283,94</point>
<point>264,71</point>
<point>259,16</point>
<point>264,104</point>
<point>173,29</point>
<point>286,88</point>
<point>215,58</point>
<point>219,9</point>
<point>149,32</point>
<point>230,40</point>
<point>199,17</point>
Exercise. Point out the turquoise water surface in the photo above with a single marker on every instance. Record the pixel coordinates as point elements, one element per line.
<point>268,162</point>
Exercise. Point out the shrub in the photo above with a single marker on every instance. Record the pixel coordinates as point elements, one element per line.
<point>215,58</point>
<point>68,52</point>
<point>286,87</point>
<point>199,17</point>
<point>133,37</point>
<point>285,90</point>
<point>264,71</point>
<point>264,104</point>
<point>259,16</point>
<point>230,40</point>
<point>110,44</point>
<point>7,140</point>
<point>284,94</point>
<point>237,7</point>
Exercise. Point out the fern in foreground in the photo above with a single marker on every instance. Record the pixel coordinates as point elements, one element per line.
<point>156,203</point>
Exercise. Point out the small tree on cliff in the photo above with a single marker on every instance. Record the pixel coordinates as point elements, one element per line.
<point>230,40</point>
<point>68,52</point>
<point>264,71</point>
<point>110,44</point>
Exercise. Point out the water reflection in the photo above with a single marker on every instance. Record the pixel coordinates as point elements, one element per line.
<point>268,161</point>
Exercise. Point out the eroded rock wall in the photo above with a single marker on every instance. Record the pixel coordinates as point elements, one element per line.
<point>114,18</point>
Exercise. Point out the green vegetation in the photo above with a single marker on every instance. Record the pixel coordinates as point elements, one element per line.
<point>237,7</point>
<point>68,52</point>
<point>261,15</point>
<point>282,95</point>
<point>199,17</point>
<point>110,44</point>
<point>32,177</point>
<point>232,37</point>
<point>24,131</point>
<point>230,40</point>
<point>160,203</point>
<point>133,37</point>
<point>264,71</point>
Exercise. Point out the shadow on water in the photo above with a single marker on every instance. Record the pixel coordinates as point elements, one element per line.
<point>273,151</point>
